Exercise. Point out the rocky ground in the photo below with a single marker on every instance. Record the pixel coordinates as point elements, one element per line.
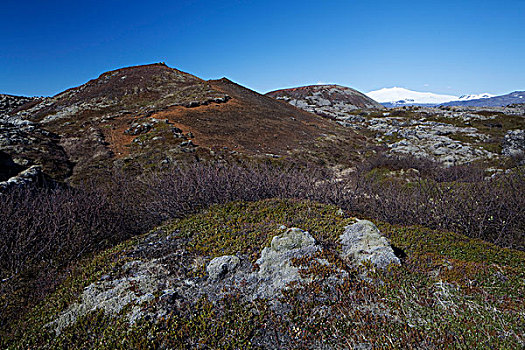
<point>9,103</point>
<point>449,135</point>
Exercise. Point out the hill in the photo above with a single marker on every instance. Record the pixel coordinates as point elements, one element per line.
<point>326,100</point>
<point>282,275</point>
<point>151,116</point>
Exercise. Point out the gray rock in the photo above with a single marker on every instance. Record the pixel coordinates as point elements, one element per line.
<point>138,286</point>
<point>26,177</point>
<point>275,264</point>
<point>362,242</point>
<point>139,128</point>
<point>219,267</point>
<point>514,143</point>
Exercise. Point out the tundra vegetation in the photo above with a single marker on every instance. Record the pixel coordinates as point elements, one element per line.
<point>459,234</point>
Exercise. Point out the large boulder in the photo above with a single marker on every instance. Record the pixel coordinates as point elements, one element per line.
<point>362,242</point>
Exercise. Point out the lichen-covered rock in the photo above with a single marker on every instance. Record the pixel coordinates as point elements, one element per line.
<point>221,266</point>
<point>141,281</point>
<point>362,241</point>
<point>275,264</point>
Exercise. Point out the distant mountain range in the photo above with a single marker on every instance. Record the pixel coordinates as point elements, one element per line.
<point>396,97</point>
<point>495,101</point>
<point>475,97</point>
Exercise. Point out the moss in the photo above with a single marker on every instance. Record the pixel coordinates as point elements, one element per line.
<point>245,227</point>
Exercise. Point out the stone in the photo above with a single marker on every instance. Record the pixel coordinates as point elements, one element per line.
<point>142,279</point>
<point>362,242</point>
<point>514,143</point>
<point>275,264</point>
<point>219,267</point>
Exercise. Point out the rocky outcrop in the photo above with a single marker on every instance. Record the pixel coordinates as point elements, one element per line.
<point>326,100</point>
<point>429,139</point>
<point>166,281</point>
<point>446,134</point>
<point>31,176</point>
<point>9,103</point>
<point>24,144</point>
<point>362,242</point>
<point>514,143</point>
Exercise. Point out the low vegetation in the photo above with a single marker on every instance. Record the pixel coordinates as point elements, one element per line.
<point>450,292</point>
<point>455,286</point>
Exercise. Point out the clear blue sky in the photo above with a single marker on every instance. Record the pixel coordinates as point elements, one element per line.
<point>451,47</point>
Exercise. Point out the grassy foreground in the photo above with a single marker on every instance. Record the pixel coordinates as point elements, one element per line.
<point>450,292</point>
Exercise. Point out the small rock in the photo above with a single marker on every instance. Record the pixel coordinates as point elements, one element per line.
<point>219,267</point>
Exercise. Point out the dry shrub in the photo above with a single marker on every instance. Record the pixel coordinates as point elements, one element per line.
<point>44,231</point>
<point>458,199</point>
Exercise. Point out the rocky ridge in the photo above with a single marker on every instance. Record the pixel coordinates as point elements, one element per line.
<point>148,117</point>
<point>326,100</point>
<point>9,103</point>
<point>23,146</point>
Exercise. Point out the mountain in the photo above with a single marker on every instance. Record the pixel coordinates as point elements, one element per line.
<point>493,101</point>
<point>396,96</point>
<point>475,97</point>
<point>325,100</point>
<point>152,115</point>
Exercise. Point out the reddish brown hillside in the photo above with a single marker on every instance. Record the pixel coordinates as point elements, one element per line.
<point>149,116</point>
<point>250,122</point>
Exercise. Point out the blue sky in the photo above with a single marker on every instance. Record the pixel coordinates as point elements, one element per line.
<point>450,47</point>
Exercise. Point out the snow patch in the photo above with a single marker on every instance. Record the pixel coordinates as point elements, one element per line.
<point>402,96</point>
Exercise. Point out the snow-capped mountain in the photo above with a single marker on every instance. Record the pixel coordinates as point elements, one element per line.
<point>397,96</point>
<point>495,101</point>
<point>475,97</point>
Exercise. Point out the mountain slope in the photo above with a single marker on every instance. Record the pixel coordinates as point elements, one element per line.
<point>149,116</point>
<point>327,100</point>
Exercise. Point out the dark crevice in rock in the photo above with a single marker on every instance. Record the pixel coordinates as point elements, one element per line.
<point>8,168</point>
